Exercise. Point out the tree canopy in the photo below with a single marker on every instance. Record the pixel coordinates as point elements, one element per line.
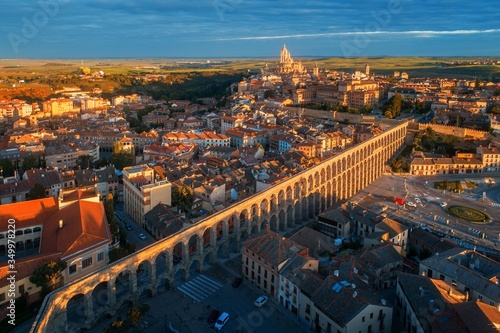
<point>182,198</point>
<point>392,108</point>
<point>122,159</point>
<point>47,275</point>
<point>37,192</point>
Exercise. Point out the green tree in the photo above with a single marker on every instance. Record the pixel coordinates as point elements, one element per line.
<point>182,198</point>
<point>366,109</point>
<point>84,161</point>
<point>7,167</point>
<point>46,276</point>
<point>122,159</point>
<point>493,108</point>
<point>37,192</point>
<point>110,215</point>
<point>269,94</point>
<point>30,162</point>
<point>477,84</point>
<point>399,165</point>
<point>102,162</point>
<point>392,108</point>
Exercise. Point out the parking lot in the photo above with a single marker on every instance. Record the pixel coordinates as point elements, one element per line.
<point>188,306</point>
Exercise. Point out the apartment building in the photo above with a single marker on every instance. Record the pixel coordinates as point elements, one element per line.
<point>342,304</point>
<point>143,189</point>
<point>264,255</point>
<point>490,157</point>
<point>243,137</point>
<point>203,140</point>
<point>50,179</point>
<point>58,106</point>
<point>461,163</point>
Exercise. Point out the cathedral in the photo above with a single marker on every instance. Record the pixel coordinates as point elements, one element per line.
<point>287,65</point>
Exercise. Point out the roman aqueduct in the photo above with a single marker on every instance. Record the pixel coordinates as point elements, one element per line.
<point>287,204</point>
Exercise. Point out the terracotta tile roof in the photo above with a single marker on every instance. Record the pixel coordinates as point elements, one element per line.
<point>139,180</point>
<point>84,226</point>
<point>28,213</point>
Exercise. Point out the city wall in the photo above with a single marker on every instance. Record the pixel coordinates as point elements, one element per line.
<point>456,131</point>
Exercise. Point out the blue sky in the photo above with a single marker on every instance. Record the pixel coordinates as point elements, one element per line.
<point>247,28</point>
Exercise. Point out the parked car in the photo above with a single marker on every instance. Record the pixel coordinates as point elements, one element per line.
<point>142,236</point>
<point>128,227</point>
<point>261,301</point>
<point>443,204</point>
<point>214,314</point>
<point>221,321</point>
<point>237,282</point>
<point>411,204</point>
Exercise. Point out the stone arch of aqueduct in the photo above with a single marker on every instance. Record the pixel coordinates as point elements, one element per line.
<point>284,205</point>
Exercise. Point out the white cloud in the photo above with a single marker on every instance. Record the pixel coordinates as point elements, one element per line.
<point>416,33</point>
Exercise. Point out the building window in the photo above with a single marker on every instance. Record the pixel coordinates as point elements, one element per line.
<point>87,262</point>
<point>2,297</point>
<point>21,289</point>
<point>72,269</point>
<point>363,319</point>
<point>100,256</point>
<point>371,315</point>
<point>480,297</point>
<point>308,308</point>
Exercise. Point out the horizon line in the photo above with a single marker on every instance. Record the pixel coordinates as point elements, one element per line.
<point>244,57</point>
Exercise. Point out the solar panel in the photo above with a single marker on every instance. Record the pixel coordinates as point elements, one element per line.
<point>337,288</point>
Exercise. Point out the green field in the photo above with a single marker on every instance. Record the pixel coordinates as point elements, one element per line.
<point>414,66</point>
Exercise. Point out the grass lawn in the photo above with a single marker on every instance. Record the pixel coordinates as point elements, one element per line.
<point>449,185</point>
<point>469,214</point>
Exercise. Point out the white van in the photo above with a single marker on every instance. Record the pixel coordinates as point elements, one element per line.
<point>221,321</point>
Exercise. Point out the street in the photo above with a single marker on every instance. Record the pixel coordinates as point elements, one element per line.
<point>429,212</point>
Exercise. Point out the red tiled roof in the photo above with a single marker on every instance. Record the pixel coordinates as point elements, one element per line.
<point>27,213</point>
<point>84,226</point>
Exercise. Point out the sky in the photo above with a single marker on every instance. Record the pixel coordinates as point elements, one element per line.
<point>247,28</point>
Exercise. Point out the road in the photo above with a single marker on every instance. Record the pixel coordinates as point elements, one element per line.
<point>132,235</point>
<point>428,212</point>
